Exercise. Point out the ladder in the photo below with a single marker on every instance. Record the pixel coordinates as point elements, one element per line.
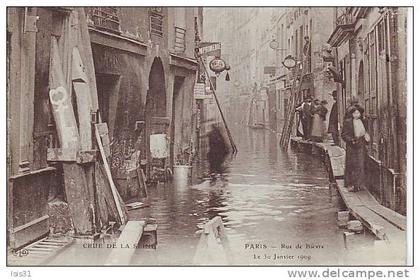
<point>288,124</point>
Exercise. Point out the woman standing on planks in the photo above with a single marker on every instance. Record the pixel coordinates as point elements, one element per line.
<point>356,138</point>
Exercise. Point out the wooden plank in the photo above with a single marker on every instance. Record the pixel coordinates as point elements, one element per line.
<point>103,132</point>
<point>393,217</point>
<point>86,156</point>
<point>83,112</point>
<point>109,177</point>
<point>83,99</point>
<point>61,103</point>
<point>102,192</point>
<point>142,182</point>
<point>78,198</point>
<point>22,235</point>
<point>130,236</point>
<point>84,43</point>
<point>358,204</point>
<point>213,247</point>
<point>62,154</point>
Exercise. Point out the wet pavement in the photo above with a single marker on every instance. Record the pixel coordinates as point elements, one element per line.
<point>277,208</point>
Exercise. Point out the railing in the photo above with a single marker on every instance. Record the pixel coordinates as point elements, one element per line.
<point>345,19</point>
<point>179,46</point>
<point>105,18</point>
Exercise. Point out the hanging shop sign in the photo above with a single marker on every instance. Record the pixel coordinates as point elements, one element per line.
<point>289,62</point>
<point>210,49</point>
<point>200,91</point>
<point>274,44</point>
<point>217,65</point>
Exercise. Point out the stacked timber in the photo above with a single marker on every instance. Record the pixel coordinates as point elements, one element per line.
<point>92,197</point>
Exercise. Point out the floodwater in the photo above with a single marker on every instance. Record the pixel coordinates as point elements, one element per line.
<point>277,208</point>
<point>279,201</point>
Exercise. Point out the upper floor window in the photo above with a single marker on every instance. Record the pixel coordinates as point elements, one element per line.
<point>180,30</point>
<point>156,21</point>
<point>105,18</point>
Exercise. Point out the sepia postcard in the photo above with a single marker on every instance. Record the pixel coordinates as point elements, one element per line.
<point>208,136</point>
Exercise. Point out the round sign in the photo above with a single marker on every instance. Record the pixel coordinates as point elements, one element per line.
<point>274,44</point>
<point>217,65</point>
<point>289,62</point>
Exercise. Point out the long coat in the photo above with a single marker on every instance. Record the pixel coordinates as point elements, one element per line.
<point>356,153</point>
<point>318,128</point>
<point>333,122</point>
<point>218,150</point>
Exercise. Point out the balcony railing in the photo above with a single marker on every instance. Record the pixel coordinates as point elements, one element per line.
<point>105,18</point>
<point>179,46</point>
<point>345,19</point>
<point>345,23</point>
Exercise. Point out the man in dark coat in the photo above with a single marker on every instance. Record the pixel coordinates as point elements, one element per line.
<point>306,118</point>
<point>333,121</point>
<point>218,150</point>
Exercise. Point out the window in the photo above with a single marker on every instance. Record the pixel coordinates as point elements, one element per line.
<point>156,21</point>
<point>180,17</point>
<point>105,18</point>
<point>179,46</point>
<point>373,73</point>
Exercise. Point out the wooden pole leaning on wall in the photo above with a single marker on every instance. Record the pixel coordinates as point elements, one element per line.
<point>121,213</point>
<point>232,142</point>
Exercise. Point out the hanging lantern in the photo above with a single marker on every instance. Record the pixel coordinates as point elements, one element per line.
<point>227,78</point>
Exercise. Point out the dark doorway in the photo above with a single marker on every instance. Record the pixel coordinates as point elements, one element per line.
<point>156,120</point>
<point>156,96</point>
<point>108,87</point>
<point>177,116</point>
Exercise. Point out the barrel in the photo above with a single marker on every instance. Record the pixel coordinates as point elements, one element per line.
<point>182,175</point>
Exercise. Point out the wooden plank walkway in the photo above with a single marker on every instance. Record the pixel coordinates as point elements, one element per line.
<point>126,243</point>
<point>385,223</point>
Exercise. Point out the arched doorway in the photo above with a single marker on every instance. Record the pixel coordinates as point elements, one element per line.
<point>156,95</point>
<point>156,121</point>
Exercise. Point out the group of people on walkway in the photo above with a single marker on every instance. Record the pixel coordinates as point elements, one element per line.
<point>313,115</point>
<point>354,134</point>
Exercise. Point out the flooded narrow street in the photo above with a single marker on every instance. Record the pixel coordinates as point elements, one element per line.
<point>278,199</point>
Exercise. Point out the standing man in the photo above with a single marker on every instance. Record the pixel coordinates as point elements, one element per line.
<point>306,118</point>
<point>333,121</point>
<point>218,150</point>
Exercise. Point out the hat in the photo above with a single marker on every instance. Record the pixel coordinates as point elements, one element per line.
<point>324,102</point>
<point>334,93</point>
<point>353,108</point>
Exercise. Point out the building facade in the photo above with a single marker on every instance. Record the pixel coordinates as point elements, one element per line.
<point>371,54</point>
<point>145,71</point>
